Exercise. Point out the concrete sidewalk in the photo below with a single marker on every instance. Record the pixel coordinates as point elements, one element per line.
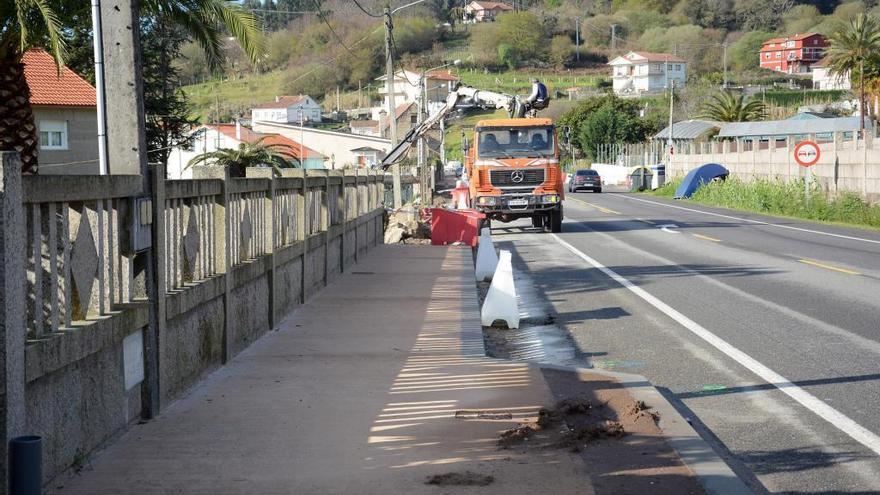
<point>357,392</point>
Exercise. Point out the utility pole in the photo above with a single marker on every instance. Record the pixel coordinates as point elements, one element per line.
<point>670,142</point>
<point>613,37</point>
<point>422,165</point>
<point>724,58</point>
<point>577,38</point>
<point>392,115</point>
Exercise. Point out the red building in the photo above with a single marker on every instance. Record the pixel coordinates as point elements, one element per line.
<point>794,54</point>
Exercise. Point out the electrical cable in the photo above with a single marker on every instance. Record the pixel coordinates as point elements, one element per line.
<point>365,11</point>
<point>321,16</point>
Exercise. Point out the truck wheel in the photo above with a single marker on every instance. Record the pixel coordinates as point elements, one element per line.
<point>556,220</point>
<point>537,221</point>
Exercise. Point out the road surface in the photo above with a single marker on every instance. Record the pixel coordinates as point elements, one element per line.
<point>765,332</point>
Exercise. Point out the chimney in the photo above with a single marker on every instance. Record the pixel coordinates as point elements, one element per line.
<point>383,123</point>
<point>237,130</point>
<point>277,99</point>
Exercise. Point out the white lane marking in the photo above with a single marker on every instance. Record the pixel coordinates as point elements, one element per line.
<point>759,222</point>
<point>667,227</point>
<point>837,419</point>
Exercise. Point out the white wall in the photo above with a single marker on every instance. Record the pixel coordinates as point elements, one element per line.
<point>336,146</point>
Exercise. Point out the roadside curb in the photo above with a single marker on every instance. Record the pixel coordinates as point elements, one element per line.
<point>713,474</point>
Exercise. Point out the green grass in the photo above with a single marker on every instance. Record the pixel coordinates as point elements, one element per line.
<point>519,81</point>
<point>787,98</point>
<point>466,124</point>
<point>235,96</point>
<point>787,199</point>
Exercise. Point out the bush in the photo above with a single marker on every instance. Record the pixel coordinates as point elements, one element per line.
<point>561,51</point>
<point>785,198</point>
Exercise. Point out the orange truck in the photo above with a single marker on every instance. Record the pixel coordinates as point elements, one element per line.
<point>513,171</point>
<point>513,166</point>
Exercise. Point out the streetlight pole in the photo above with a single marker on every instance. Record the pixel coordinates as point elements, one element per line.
<point>724,58</point>
<point>577,38</point>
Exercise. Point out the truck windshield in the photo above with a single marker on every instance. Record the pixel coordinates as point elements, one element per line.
<point>516,142</point>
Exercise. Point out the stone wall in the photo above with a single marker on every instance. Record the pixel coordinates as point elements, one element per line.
<point>229,259</point>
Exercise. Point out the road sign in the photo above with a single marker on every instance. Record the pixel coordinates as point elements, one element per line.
<point>806,153</point>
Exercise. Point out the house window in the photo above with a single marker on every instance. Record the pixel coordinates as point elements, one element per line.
<point>53,135</point>
<point>766,55</point>
<point>778,54</point>
<point>413,119</point>
<point>678,67</point>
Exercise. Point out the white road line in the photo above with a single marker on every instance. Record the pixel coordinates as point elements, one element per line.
<point>759,222</point>
<point>856,431</point>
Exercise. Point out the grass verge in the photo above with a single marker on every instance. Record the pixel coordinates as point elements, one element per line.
<point>782,198</point>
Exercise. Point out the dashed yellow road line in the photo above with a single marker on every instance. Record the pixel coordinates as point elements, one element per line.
<point>830,267</point>
<point>600,208</point>
<point>706,238</point>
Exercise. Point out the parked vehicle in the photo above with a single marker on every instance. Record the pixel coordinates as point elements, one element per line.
<point>585,179</point>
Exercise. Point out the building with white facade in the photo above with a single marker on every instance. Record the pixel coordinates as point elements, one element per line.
<point>213,137</point>
<point>824,79</point>
<point>646,72</point>
<point>288,110</point>
<point>407,88</point>
<point>341,148</point>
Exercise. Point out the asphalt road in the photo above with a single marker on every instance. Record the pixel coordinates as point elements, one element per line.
<point>765,332</point>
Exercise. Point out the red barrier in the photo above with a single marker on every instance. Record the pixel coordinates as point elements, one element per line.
<point>448,226</point>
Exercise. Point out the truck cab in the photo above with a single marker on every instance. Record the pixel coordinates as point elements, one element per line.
<point>513,171</point>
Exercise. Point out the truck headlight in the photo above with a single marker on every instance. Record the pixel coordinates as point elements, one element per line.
<point>550,198</point>
<point>486,200</point>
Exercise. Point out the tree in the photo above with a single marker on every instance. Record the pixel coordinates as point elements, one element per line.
<point>744,53</point>
<point>851,48</point>
<point>25,24</point>
<point>41,23</point>
<point>524,33</point>
<point>606,119</point>
<point>256,154</point>
<point>167,113</point>
<point>561,50</point>
<point>728,107</point>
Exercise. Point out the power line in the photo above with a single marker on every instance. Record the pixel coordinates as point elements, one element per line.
<point>321,16</point>
<point>365,11</point>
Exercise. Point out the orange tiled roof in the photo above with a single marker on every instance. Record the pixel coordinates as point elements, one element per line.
<point>249,136</point>
<point>49,88</point>
<point>441,75</point>
<point>790,38</point>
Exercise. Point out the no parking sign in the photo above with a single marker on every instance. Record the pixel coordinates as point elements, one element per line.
<point>806,153</point>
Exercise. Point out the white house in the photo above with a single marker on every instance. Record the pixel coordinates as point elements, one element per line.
<point>478,11</point>
<point>824,79</point>
<point>287,110</point>
<point>342,148</point>
<point>212,137</point>
<point>645,72</point>
<point>407,89</point>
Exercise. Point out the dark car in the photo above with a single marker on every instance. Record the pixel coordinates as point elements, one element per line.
<point>585,179</point>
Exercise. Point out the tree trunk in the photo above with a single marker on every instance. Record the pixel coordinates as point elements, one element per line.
<point>17,129</point>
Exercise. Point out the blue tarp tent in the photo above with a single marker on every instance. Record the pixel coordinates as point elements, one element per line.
<point>699,176</point>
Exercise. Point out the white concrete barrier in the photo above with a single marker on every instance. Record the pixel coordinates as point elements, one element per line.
<point>500,303</point>
<point>487,259</point>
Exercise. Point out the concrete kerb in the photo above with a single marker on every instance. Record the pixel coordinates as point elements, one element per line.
<point>713,474</point>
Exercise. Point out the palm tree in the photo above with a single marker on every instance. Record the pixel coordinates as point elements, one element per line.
<point>851,47</point>
<point>27,24</point>
<point>728,107</point>
<point>255,154</point>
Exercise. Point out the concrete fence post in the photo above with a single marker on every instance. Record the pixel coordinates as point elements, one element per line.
<point>12,307</point>
<point>270,237</point>
<point>789,150</point>
<point>223,255</point>
<point>865,146</point>
<point>158,335</point>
